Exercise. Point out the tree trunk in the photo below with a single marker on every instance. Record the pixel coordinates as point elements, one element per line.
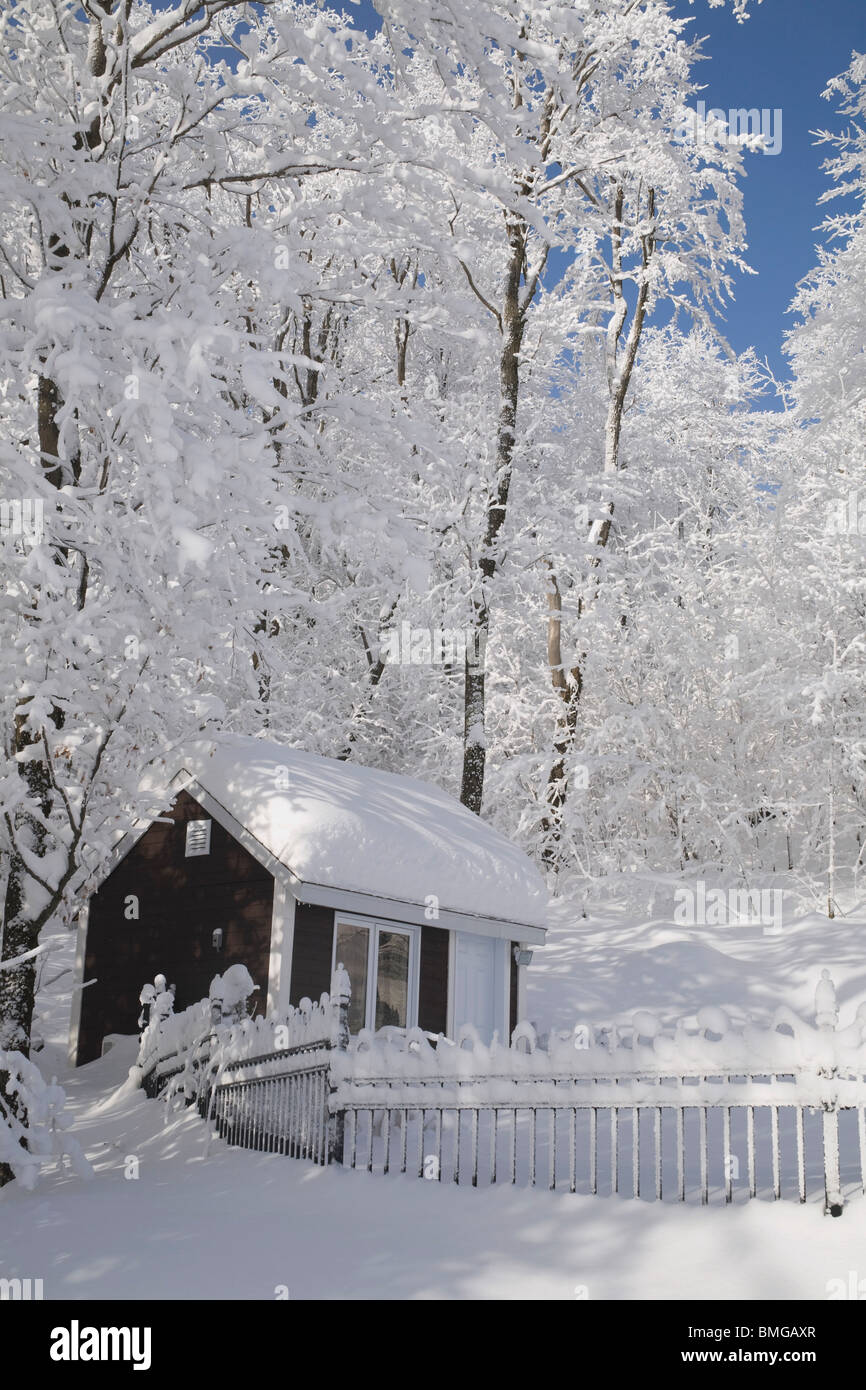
<point>568,687</point>
<point>21,925</point>
<point>474,748</point>
<point>17,985</point>
<point>20,933</point>
<point>513,322</point>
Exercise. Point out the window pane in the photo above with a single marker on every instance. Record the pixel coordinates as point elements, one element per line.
<point>352,949</point>
<point>392,980</point>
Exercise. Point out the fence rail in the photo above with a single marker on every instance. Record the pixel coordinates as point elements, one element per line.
<point>285,1113</point>
<point>611,1119</point>
<point>658,1150</point>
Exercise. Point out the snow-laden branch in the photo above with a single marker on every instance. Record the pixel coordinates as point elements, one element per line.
<point>28,955</point>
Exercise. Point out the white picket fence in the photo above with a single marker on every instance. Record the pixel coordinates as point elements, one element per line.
<point>684,1139</point>
<point>700,1114</point>
<point>275,1104</point>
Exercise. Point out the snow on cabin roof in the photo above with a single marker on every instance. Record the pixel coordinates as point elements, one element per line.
<point>359,830</point>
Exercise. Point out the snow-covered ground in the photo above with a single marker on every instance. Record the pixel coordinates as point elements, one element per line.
<point>256,1226</point>
<point>243,1224</point>
<point>603,968</point>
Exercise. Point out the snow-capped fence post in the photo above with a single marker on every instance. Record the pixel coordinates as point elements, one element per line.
<point>341,993</point>
<point>826,1018</point>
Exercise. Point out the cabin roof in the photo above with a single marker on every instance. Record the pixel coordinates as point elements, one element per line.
<point>352,828</point>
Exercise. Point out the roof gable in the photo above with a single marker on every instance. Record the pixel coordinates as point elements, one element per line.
<point>345,828</point>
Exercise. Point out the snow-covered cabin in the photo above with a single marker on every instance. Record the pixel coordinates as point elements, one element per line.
<point>287,863</point>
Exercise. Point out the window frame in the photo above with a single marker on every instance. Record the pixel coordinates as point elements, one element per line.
<point>374,926</point>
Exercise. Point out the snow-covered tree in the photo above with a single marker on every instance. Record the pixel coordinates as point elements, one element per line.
<point>146,451</point>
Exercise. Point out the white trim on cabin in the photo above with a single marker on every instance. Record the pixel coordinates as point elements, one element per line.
<point>344,899</point>
<point>282,943</point>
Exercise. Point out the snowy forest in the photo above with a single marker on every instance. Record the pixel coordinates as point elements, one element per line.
<point>372,390</point>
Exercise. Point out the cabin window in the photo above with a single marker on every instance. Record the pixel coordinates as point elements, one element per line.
<point>197,837</point>
<point>382,963</point>
<point>353,950</point>
<point>392,979</point>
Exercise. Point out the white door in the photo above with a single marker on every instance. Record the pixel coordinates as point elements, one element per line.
<point>474,984</point>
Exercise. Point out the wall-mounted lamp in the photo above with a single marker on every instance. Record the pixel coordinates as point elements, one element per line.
<point>217,939</point>
<point>522,956</point>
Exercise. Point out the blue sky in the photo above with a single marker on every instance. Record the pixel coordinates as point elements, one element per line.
<point>781,57</point>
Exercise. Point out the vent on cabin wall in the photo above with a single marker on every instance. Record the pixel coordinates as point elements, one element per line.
<point>197,837</point>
